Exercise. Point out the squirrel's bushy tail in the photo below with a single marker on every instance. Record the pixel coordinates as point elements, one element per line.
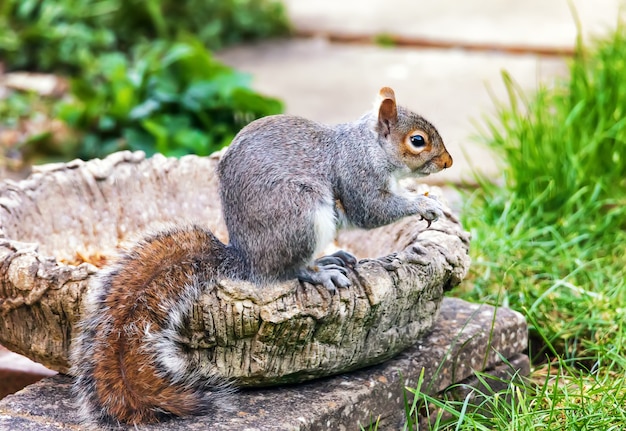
<point>127,361</point>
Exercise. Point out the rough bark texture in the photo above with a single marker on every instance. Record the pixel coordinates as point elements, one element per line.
<point>64,218</point>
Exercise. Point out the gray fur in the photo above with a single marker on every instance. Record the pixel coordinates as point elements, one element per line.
<point>280,170</point>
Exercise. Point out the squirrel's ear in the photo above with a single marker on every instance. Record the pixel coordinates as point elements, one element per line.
<point>387,110</point>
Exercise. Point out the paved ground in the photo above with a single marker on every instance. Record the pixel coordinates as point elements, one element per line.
<point>450,84</point>
<point>532,23</point>
<point>334,83</point>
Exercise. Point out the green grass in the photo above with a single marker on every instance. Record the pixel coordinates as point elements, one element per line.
<point>550,242</point>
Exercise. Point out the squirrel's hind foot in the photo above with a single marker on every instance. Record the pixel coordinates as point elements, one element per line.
<point>330,271</point>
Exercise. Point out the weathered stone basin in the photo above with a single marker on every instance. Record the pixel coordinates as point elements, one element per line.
<point>62,223</point>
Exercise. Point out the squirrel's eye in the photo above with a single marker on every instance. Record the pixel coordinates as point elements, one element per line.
<point>418,141</point>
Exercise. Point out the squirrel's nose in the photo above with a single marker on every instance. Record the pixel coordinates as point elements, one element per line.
<point>446,160</point>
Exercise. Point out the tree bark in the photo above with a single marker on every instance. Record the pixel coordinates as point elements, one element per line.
<point>66,220</point>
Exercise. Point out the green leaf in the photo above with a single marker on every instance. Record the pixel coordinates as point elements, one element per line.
<point>246,100</point>
<point>159,132</point>
<point>176,53</point>
<point>193,140</point>
<point>231,82</point>
<point>106,123</point>
<point>199,95</point>
<point>164,88</point>
<point>144,109</point>
<point>123,102</point>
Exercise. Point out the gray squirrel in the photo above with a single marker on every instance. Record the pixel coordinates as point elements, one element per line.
<point>286,184</point>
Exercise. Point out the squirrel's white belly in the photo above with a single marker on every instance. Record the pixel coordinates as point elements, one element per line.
<point>325,225</point>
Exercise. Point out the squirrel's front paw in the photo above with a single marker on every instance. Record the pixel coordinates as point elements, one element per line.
<point>429,208</point>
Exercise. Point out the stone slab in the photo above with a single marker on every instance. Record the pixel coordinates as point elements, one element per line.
<point>466,337</point>
<point>16,371</point>
<point>499,23</point>
<point>454,89</point>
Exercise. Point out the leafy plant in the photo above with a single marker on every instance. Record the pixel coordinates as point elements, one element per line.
<point>214,22</point>
<point>63,35</point>
<point>171,98</point>
<point>53,35</point>
<point>142,82</point>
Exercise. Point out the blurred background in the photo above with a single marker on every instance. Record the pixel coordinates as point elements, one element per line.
<point>84,78</point>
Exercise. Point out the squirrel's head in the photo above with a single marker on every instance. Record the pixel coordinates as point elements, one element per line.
<point>409,137</point>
